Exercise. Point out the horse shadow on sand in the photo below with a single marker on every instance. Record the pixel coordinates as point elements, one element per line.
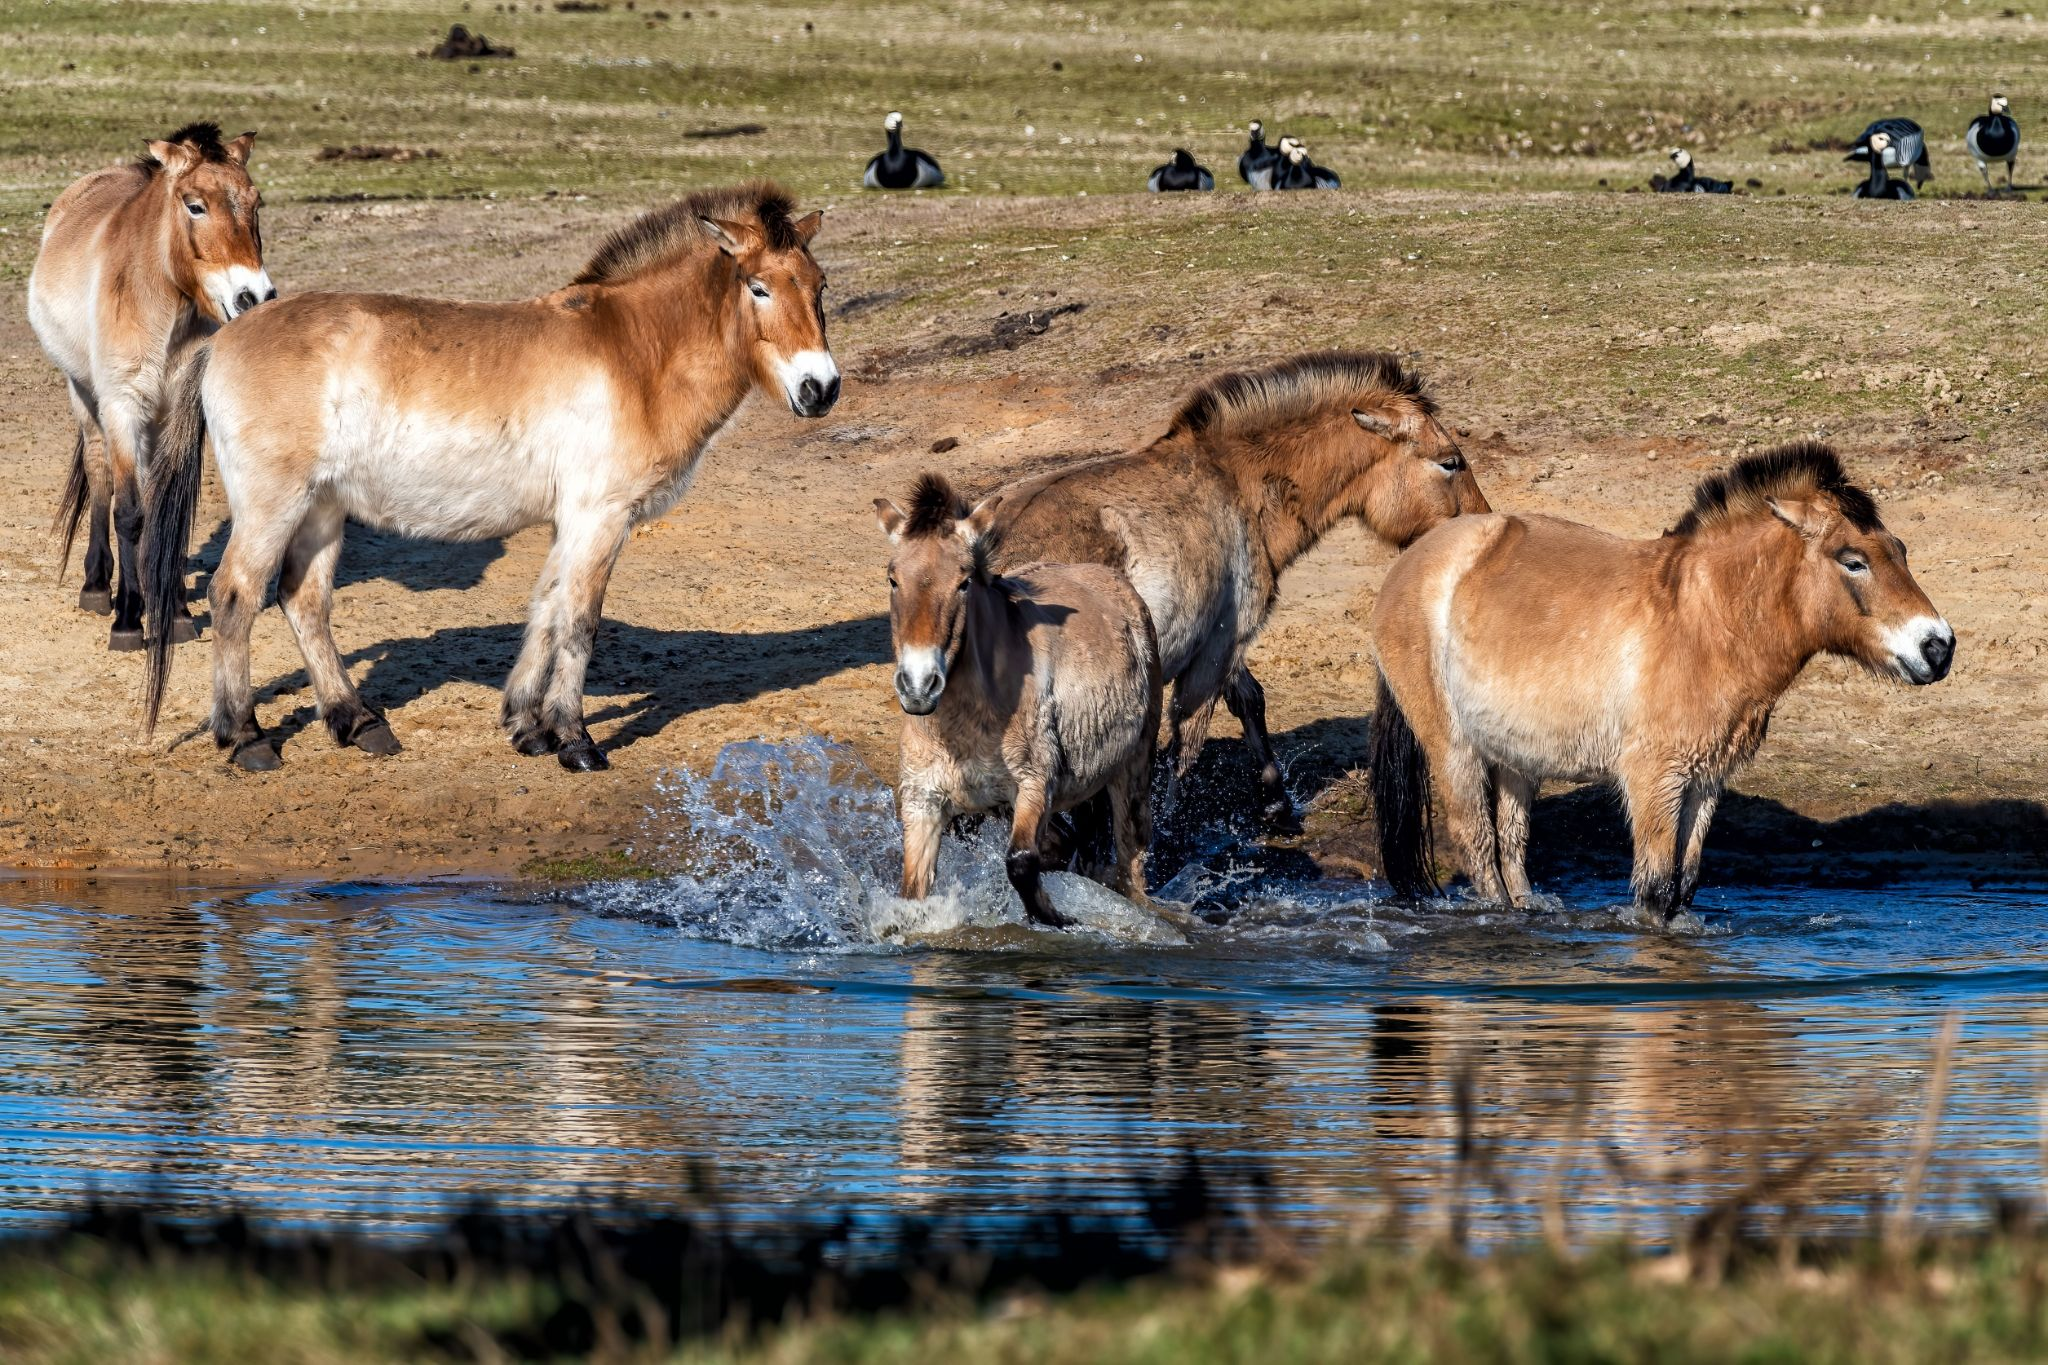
<point>415,565</point>
<point>641,679</point>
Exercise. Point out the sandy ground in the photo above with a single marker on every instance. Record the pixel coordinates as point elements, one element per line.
<point>757,607</point>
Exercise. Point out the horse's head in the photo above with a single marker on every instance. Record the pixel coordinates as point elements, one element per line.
<point>940,550</point>
<point>782,309</point>
<point>1413,476</point>
<point>214,242</point>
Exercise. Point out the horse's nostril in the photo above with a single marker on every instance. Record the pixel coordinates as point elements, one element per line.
<point>807,393</point>
<point>1938,650</point>
<point>832,391</point>
<point>245,300</point>
<point>271,295</point>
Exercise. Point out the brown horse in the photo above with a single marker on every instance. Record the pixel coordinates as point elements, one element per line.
<point>1255,467</point>
<point>587,409</point>
<point>1515,649</point>
<point>136,261</point>
<point>1035,690</point>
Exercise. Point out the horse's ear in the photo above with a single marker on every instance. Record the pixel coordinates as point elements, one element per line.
<point>975,526</point>
<point>1377,423</point>
<point>1796,513</point>
<point>175,157</point>
<point>892,519</point>
<point>807,226</point>
<point>238,150</point>
<point>732,238</point>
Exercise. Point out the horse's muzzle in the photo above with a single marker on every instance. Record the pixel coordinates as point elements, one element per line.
<point>813,399</point>
<point>919,696</point>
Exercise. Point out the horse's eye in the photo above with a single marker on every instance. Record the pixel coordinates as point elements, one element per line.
<point>1451,464</point>
<point>892,582</point>
<point>1853,562</point>
<point>760,290</point>
<point>963,584</point>
<point>196,209</point>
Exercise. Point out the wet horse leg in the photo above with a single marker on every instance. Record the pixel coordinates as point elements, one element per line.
<point>1655,794</point>
<point>923,813</point>
<point>305,589</point>
<point>1247,701</point>
<point>586,568</point>
<point>1693,820</point>
<point>1023,864</point>
<point>1130,801</point>
<point>1513,795</point>
<point>1469,785</point>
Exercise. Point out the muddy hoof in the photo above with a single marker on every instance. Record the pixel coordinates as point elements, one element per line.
<point>98,601</point>
<point>258,756</point>
<point>124,641</point>
<point>582,756</point>
<point>1281,818</point>
<point>534,743</point>
<point>375,737</point>
<point>184,630</point>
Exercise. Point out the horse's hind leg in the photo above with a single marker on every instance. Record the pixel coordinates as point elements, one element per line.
<point>586,570</point>
<point>125,431</point>
<point>1130,801</point>
<point>1469,786</point>
<point>1693,820</point>
<point>1247,701</point>
<point>255,546</point>
<point>305,589</point>
<point>1513,795</point>
<point>96,593</point>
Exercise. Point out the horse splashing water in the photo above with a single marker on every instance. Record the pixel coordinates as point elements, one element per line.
<point>587,409</point>
<point>1518,648</point>
<point>136,262</point>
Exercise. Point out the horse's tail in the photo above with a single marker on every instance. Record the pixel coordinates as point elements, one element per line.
<point>71,510</point>
<point>1401,800</point>
<point>170,494</point>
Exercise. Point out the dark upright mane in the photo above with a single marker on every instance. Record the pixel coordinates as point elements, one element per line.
<point>1799,470</point>
<point>667,232</point>
<point>934,508</point>
<point>203,138</point>
<point>1297,385</point>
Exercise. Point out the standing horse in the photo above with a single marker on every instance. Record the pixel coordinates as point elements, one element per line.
<point>1254,469</point>
<point>1518,648</point>
<point>136,261</point>
<point>1036,690</point>
<point>587,408</point>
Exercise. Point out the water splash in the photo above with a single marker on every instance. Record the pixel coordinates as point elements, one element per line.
<point>795,845</point>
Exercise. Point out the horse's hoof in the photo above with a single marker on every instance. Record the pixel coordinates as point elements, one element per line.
<point>1281,818</point>
<point>375,738</point>
<point>258,756</point>
<point>582,756</point>
<point>184,630</point>
<point>125,641</point>
<point>98,601</point>
<point>534,743</point>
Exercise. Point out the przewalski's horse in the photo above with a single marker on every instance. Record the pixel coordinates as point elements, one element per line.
<point>135,262</point>
<point>1035,690</point>
<point>1519,648</point>
<point>587,408</point>
<point>1255,468</point>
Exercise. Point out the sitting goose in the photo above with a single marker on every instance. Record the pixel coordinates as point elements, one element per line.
<point>1881,185</point>
<point>1323,176</point>
<point>1994,137</point>
<point>901,167</point>
<point>1686,182</point>
<point>1181,173</point>
<point>1905,147</point>
<point>1295,171</point>
<point>1257,162</point>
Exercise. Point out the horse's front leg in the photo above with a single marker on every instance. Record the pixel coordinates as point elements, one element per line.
<point>520,716</point>
<point>1027,825</point>
<point>923,813</point>
<point>1247,701</point>
<point>586,569</point>
<point>1693,820</point>
<point>1655,794</point>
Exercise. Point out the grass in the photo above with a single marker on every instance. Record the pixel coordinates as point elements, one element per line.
<point>606,865</point>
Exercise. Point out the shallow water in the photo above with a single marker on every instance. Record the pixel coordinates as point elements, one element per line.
<point>379,1053</point>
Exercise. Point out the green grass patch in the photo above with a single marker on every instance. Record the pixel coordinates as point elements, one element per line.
<point>609,865</point>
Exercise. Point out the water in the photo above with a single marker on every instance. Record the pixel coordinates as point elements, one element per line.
<point>775,1021</point>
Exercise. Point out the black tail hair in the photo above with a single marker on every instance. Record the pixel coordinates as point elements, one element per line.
<point>1401,801</point>
<point>169,495</point>
<point>71,510</point>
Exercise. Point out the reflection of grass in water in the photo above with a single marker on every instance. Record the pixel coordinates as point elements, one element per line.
<point>1191,1280</point>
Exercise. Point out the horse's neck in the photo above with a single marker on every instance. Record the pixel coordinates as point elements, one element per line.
<point>987,652</point>
<point>152,282</point>
<point>678,333</point>
<point>1293,500</point>
<point>1721,581</point>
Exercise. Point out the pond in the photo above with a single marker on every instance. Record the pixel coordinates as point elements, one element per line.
<point>771,1021</point>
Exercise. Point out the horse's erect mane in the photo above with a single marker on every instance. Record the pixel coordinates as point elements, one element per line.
<point>203,138</point>
<point>1797,471</point>
<point>1296,386</point>
<point>665,233</point>
<point>934,508</point>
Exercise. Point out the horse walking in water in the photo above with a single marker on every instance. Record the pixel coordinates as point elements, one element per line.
<point>1035,690</point>
<point>1518,648</point>
<point>587,408</point>
<point>1254,469</point>
<point>136,262</point>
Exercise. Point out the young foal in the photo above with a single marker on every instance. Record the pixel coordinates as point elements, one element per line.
<point>137,260</point>
<point>1526,648</point>
<point>1254,469</point>
<point>587,408</point>
<point>1036,690</point>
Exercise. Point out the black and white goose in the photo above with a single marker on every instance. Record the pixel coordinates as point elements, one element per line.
<point>1181,173</point>
<point>1320,177</point>
<point>1687,181</point>
<point>1994,137</point>
<point>1257,162</point>
<point>1905,148</point>
<point>1295,171</point>
<point>1881,185</point>
<point>901,167</point>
